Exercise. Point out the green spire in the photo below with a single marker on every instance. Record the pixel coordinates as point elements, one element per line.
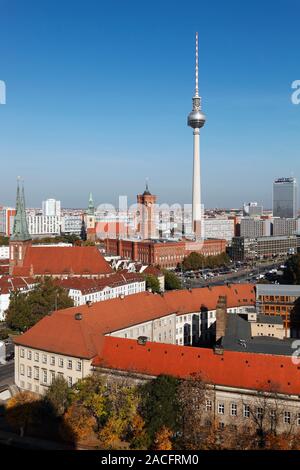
<point>91,208</point>
<point>20,231</point>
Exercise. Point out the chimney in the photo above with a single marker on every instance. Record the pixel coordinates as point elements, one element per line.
<point>221,317</point>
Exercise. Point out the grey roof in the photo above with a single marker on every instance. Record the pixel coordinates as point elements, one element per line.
<point>238,338</point>
<point>277,289</point>
<point>273,320</point>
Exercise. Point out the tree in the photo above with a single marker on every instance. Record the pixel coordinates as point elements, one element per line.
<point>58,396</point>
<point>159,404</point>
<point>21,410</point>
<point>152,283</point>
<point>195,261</point>
<point>162,440</point>
<point>78,423</point>
<point>4,240</point>
<point>171,280</point>
<point>191,396</point>
<point>91,393</point>
<point>138,437</point>
<point>26,309</point>
<point>291,273</point>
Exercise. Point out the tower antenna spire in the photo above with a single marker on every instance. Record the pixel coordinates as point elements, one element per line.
<point>196,69</point>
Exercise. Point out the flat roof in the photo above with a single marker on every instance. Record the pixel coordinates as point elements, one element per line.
<point>277,289</point>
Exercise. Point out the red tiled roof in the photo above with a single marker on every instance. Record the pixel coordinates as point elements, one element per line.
<point>79,260</point>
<point>12,283</point>
<point>86,285</point>
<point>100,318</point>
<point>153,270</point>
<point>232,369</point>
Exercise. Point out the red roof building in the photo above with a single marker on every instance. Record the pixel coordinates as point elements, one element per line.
<point>59,261</point>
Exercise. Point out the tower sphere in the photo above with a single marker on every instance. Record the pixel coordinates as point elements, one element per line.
<point>196,119</point>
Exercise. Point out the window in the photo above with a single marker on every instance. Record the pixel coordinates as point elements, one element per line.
<point>246,411</point>
<point>29,355</point>
<point>233,409</point>
<point>69,364</point>
<point>78,366</point>
<point>44,359</point>
<point>298,419</point>
<point>221,408</point>
<point>22,369</point>
<point>52,375</point>
<point>44,376</point>
<point>69,380</point>
<point>259,413</point>
<point>60,362</point>
<point>29,372</point>
<point>52,361</point>
<point>287,417</point>
<point>22,352</point>
<point>208,405</point>
<point>36,357</point>
<point>36,373</point>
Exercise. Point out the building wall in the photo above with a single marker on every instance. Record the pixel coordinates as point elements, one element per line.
<point>285,226</point>
<point>80,298</point>
<point>219,228</point>
<point>44,225</point>
<point>4,252</point>
<point>35,369</point>
<point>285,198</point>
<point>267,329</point>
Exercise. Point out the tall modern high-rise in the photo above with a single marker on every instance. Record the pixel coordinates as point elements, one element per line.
<point>285,198</point>
<point>196,120</point>
<point>51,207</point>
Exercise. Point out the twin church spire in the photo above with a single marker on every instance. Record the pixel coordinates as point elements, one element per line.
<point>20,229</point>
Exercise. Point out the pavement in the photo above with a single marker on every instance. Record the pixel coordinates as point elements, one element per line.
<point>7,372</point>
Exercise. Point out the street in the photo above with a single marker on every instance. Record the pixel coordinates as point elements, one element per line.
<point>246,275</point>
<point>7,373</point>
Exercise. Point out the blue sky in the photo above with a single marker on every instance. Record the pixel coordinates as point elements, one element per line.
<point>98,93</point>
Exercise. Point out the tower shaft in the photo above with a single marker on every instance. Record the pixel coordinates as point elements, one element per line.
<point>196,200</point>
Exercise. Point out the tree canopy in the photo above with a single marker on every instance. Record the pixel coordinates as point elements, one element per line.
<point>292,271</point>
<point>195,261</point>
<point>171,280</point>
<point>152,283</point>
<point>26,309</point>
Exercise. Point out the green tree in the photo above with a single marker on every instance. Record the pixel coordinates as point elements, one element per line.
<point>152,283</point>
<point>292,271</point>
<point>171,280</point>
<point>4,240</point>
<point>91,392</point>
<point>26,309</point>
<point>159,404</point>
<point>58,396</point>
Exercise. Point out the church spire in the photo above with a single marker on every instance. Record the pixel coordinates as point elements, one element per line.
<point>20,230</point>
<point>91,208</point>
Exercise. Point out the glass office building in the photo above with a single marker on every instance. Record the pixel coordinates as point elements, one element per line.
<point>285,198</point>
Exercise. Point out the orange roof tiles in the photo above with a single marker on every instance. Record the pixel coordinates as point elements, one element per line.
<point>86,285</point>
<point>50,260</point>
<point>100,318</point>
<point>232,369</point>
<point>11,283</point>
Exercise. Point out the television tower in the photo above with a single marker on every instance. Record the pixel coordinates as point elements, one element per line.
<point>196,120</point>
